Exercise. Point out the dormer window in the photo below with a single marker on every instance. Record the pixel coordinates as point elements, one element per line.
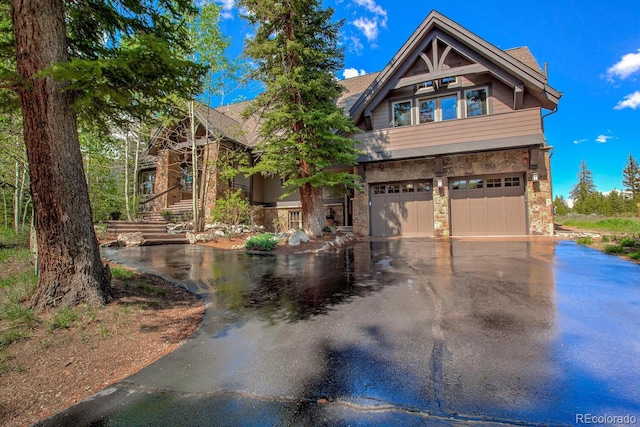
<point>447,81</point>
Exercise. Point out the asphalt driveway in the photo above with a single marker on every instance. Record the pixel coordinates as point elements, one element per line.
<point>391,332</point>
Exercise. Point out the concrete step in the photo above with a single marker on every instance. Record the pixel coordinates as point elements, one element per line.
<point>152,242</point>
<point>117,227</point>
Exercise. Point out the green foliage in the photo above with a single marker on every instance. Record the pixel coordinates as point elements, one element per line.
<point>122,273</point>
<point>583,189</point>
<point>613,249</point>
<point>15,291</point>
<point>631,177</point>
<point>611,225</point>
<point>296,54</point>
<point>628,242</point>
<point>101,155</point>
<point>167,215</point>
<point>63,318</point>
<point>635,255</point>
<point>584,241</point>
<point>232,209</point>
<point>560,205</point>
<point>262,242</point>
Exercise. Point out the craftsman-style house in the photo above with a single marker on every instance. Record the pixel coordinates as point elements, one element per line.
<point>452,139</point>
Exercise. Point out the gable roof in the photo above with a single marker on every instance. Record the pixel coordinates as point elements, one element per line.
<point>353,88</point>
<point>516,67</point>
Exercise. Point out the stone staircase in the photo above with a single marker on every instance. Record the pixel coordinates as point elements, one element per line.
<point>180,211</point>
<point>154,232</point>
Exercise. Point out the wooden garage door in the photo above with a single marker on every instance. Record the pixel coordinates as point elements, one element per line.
<point>488,206</point>
<point>402,209</point>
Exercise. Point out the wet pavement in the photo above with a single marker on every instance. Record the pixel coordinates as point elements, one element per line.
<point>391,332</point>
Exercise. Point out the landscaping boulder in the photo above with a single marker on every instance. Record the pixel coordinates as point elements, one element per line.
<point>130,239</point>
<point>297,238</point>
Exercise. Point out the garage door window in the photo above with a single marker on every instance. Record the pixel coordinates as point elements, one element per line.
<point>494,182</point>
<point>379,189</point>
<point>512,181</point>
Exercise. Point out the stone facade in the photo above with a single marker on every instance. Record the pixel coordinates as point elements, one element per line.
<point>538,193</point>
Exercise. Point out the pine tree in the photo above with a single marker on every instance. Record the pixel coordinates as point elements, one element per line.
<point>296,52</point>
<point>631,177</point>
<point>583,189</point>
<point>108,62</point>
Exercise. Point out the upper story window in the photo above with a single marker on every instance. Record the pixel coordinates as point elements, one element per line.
<point>476,102</point>
<point>438,109</point>
<point>402,113</point>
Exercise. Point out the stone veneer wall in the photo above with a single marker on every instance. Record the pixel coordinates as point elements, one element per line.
<point>167,175</point>
<point>538,194</point>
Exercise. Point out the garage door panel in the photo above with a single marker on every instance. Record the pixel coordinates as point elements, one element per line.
<point>482,206</point>
<point>399,209</point>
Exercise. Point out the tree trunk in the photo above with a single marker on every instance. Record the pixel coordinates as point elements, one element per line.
<point>312,210</point>
<point>126,176</point>
<point>71,270</point>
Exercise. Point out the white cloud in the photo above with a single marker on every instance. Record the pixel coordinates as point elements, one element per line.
<point>630,101</point>
<point>602,139</point>
<point>369,28</point>
<point>370,25</point>
<point>371,6</point>
<point>227,8</point>
<point>579,141</point>
<point>628,65</point>
<point>352,72</point>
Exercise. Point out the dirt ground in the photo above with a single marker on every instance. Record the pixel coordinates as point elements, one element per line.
<point>53,369</point>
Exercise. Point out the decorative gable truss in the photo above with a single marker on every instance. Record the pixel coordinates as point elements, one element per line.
<point>442,50</point>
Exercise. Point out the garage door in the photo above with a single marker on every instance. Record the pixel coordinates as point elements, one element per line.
<point>402,209</point>
<point>488,206</point>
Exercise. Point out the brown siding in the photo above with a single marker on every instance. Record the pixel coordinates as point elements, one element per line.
<point>272,190</point>
<point>513,124</point>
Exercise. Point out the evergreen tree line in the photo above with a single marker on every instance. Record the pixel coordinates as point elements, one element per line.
<point>588,200</point>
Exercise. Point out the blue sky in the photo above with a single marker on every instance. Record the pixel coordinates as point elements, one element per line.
<point>592,50</point>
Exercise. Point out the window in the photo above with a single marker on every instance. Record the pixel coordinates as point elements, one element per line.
<point>476,102</point>
<point>391,189</point>
<point>147,183</point>
<point>459,185</point>
<point>494,182</point>
<point>448,80</point>
<point>295,220</point>
<point>449,107</point>
<point>423,186</point>
<point>476,183</point>
<point>402,113</point>
<point>438,109</point>
<point>408,188</point>
<point>512,181</point>
<point>380,189</point>
<point>427,110</point>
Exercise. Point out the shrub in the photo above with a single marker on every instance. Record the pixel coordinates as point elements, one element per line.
<point>584,241</point>
<point>232,209</point>
<point>167,215</point>
<point>261,242</point>
<point>606,238</point>
<point>613,249</point>
<point>635,255</point>
<point>628,242</point>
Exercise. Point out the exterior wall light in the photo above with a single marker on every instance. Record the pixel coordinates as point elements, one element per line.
<point>535,177</point>
<point>439,182</point>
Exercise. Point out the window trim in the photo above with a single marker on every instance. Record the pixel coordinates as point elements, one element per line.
<point>437,111</point>
<point>392,111</point>
<point>487,98</point>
